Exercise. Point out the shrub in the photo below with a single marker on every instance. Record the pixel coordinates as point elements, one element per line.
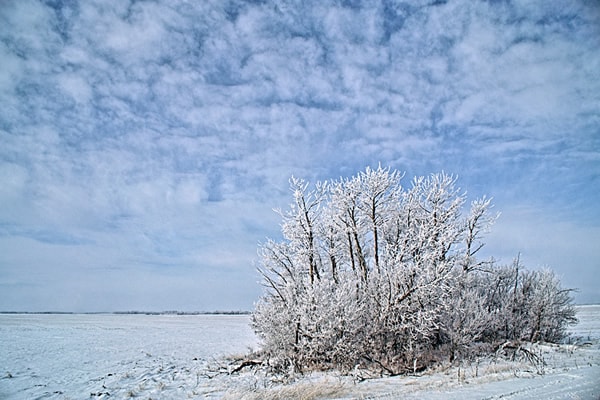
<point>370,274</point>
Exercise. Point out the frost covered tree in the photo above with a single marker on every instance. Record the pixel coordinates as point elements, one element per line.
<point>374,274</point>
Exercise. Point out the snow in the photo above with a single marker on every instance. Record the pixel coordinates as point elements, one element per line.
<point>108,356</point>
<point>76,356</point>
<point>588,326</point>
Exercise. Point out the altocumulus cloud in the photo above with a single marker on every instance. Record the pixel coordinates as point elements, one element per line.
<point>144,143</point>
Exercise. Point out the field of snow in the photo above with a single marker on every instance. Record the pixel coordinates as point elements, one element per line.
<point>115,356</point>
<point>109,356</point>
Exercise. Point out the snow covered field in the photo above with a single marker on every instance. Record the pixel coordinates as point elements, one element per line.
<point>109,356</point>
<point>115,356</point>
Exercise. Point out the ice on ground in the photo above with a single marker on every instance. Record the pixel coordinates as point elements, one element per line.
<point>178,357</point>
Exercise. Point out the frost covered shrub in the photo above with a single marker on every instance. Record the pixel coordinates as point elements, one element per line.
<point>527,305</point>
<point>372,274</point>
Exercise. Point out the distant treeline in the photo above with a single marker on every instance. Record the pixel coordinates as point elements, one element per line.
<point>184,312</point>
<point>133,312</point>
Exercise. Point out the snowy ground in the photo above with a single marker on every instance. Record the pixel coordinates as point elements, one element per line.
<point>115,356</point>
<point>178,357</point>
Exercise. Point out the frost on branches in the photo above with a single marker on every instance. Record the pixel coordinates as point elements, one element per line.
<point>371,274</point>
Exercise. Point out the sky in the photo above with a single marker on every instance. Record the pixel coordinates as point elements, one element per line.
<point>145,144</point>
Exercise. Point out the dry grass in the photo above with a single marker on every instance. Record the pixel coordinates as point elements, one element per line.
<point>444,375</point>
<point>313,390</point>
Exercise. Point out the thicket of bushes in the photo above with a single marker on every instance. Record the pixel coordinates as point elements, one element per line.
<point>372,274</point>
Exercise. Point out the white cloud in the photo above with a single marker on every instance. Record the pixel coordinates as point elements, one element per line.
<point>164,132</point>
<point>76,87</point>
<point>14,179</point>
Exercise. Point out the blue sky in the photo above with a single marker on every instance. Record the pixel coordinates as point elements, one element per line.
<point>144,144</point>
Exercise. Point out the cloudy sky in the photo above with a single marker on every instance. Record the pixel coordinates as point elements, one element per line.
<point>144,144</point>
